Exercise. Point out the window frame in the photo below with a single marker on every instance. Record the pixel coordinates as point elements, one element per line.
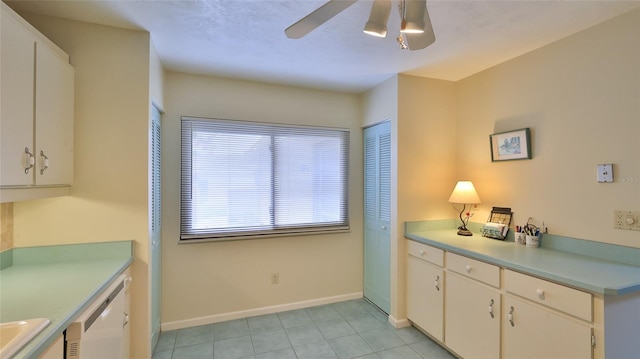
<point>190,235</point>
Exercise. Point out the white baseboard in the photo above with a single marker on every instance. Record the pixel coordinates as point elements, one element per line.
<point>399,323</point>
<point>223,317</point>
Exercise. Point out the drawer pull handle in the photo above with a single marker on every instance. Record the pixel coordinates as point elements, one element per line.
<point>45,162</point>
<point>422,253</point>
<point>438,283</point>
<point>510,316</point>
<point>468,268</point>
<point>540,293</point>
<point>29,161</point>
<point>491,308</point>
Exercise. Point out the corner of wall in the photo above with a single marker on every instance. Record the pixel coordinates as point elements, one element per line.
<point>6,226</point>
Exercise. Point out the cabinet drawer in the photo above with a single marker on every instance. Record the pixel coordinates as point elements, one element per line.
<point>556,296</point>
<point>480,271</point>
<point>425,252</point>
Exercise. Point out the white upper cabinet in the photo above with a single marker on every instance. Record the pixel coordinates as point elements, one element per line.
<point>54,118</point>
<point>16,102</point>
<point>37,111</point>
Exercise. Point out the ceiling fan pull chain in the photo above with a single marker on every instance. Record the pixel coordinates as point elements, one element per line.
<point>402,42</point>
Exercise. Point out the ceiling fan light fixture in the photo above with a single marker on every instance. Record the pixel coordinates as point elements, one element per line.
<point>376,30</point>
<point>378,18</point>
<point>412,28</point>
<point>413,17</point>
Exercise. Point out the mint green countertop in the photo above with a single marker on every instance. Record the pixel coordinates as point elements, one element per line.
<point>597,268</point>
<point>57,283</point>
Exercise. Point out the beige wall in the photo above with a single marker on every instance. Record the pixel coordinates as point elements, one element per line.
<point>427,135</point>
<point>205,280</point>
<point>109,197</point>
<point>381,103</point>
<point>156,78</point>
<point>581,98</point>
<point>426,164</point>
<point>6,226</point>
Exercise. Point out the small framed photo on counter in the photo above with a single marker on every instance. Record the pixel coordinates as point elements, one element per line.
<point>511,145</point>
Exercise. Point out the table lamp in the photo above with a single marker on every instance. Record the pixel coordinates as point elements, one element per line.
<point>464,193</point>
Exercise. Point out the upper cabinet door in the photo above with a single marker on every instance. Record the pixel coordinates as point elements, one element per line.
<point>54,118</point>
<point>16,103</point>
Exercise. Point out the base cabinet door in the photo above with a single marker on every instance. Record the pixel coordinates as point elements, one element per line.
<point>425,289</point>
<point>472,318</point>
<point>533,332</point>
<point>55,350</point>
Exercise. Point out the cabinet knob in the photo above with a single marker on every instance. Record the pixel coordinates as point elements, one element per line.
<point>29,160</point>
<point>422,253</point>
<point>468,269</point>
<point>540,293</point>
<point>384,228</point>
<point>438,283</point>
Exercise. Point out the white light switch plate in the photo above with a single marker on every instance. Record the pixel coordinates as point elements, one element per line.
<point>605,173</point>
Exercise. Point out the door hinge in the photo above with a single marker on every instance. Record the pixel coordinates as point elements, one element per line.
<point>593,341</point>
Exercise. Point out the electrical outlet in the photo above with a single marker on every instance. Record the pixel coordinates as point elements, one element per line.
<point>629,220</point>
<point>275,278</point>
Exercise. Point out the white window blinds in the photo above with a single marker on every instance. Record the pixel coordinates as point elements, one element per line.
<point>244,179</point>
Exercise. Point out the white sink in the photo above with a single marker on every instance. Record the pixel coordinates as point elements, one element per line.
<point>15,335</point>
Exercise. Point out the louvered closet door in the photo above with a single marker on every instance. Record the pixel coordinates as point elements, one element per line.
<point>377,215</point>
<point>156,224</point>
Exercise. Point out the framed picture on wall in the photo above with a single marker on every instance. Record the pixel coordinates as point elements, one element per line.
<point>511,145</point>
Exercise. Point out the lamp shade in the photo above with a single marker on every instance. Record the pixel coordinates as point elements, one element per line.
<point>464,193</point>
<point>378,18</point>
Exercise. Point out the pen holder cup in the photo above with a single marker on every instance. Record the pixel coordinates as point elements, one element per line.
<point>533,241</point>
<point>520,238</point>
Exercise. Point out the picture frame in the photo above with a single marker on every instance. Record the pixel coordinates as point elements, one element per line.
<point>511,145</point>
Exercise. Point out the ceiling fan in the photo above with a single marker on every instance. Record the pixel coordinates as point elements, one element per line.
<point>416,31</point>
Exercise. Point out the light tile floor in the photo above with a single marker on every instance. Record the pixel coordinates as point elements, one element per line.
<point>351,329</point>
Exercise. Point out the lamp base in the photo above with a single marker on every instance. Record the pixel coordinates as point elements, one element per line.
<point>464,232</point>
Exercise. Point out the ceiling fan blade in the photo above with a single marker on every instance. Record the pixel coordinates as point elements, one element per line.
<point>420,41</point>
<point>317,18</point>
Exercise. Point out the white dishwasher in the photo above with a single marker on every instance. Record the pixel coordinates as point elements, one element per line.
<point>98,332</point>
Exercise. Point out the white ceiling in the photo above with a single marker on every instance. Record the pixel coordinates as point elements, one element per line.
<point>245,38</point>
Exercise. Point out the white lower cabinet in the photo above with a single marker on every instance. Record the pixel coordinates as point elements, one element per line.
<point>532,331</point>
<point>425,296</point>
<point>472,318</point>
<point>55,350</point>
<point>488,311</point>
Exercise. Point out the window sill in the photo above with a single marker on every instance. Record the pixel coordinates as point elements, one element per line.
<point>263,236</point>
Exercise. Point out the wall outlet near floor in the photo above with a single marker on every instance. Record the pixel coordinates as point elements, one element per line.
<point>629,220</point>
<point>275,278</point>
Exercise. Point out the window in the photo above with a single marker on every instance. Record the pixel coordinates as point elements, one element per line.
<point>245,179</point>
